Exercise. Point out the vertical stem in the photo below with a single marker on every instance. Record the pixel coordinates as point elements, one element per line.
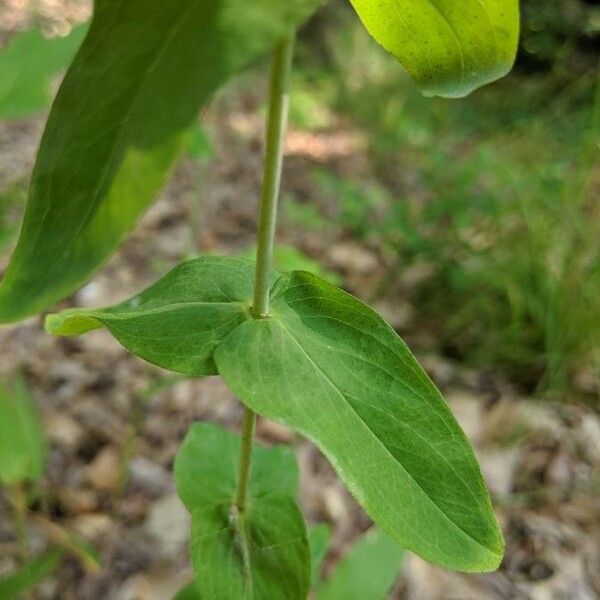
<point>273,161</point>
<point>248,427</point>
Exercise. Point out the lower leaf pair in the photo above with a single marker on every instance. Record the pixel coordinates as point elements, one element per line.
<point>327,366</point>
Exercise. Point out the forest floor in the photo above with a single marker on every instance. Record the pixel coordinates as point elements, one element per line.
<point>114,423</point>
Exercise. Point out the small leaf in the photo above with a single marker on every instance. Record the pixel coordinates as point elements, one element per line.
<point>118,124</point>
<point>260,554</point>
<point>367,572</point>
<point>22,442</point>
<point>17,584</point>
<point>27,67</point>
<point>177,322</point>
<point>450,47</point>
<point>318,540</point>
<point>327,366</point>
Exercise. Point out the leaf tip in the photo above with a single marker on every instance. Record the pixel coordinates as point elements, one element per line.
<point>70,323</point>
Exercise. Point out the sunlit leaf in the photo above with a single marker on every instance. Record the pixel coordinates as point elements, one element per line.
<point>367,572</point>
<point>22,442</point>
<point>450,47</point>
<point>329,367</point>
<point>119,123</point>
<point>261,553</point>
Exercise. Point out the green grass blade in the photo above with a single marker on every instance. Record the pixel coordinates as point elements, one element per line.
<point>17,584</point>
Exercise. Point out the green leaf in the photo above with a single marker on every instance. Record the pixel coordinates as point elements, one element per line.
<point>177,322</point>
<point>259,554</point>
<point>16,585</point>
<point>367,572</point>
<point>27,67</point>
<point>118,124</point>
<point>327,366</point>
<point>22,442</point>
<point>450,47</point>
<point>318,540</point>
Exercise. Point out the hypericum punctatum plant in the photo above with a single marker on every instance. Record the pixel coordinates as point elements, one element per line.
<point>292,347</point>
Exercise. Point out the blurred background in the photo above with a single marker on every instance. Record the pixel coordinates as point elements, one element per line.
<point>473,226</point>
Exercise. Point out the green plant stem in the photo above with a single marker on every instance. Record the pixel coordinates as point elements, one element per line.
<point>248,427</point>
<point>273,161</point>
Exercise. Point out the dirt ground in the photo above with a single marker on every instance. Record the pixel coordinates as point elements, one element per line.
<point>115,423</point>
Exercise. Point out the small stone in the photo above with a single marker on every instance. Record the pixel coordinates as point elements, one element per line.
<point>92,526</point>
<point>136,587</point>
<point>65,431</point>
<point>77,501</point>
<point>353,257</point>
<point>271,431</point>
<point>104,473</point>
<point>149,477</point>
<point>468,410</point>
<point>498,466</point>
<point>169,523</point>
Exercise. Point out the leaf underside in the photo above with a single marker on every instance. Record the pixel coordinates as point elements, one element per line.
<point>327,366</point>
<point>261,555</point>
<point>118,124</point>
<point>450,47</point>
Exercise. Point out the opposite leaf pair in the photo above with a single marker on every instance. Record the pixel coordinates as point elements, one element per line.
<point>327,366</point>
<point>269,553</point>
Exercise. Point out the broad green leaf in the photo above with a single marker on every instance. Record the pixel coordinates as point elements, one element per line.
<point>118,124</point>
<point>27,67</point>
<point>327,366</point>
<point>367,572</point>
<point>450,47</point>
<point>18,584</point>
<point>261,554</point>
<point>22,443</point>
<point>318,540</point>
<point>177,322</point>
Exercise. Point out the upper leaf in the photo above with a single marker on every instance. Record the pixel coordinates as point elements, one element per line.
<point>450,47</point>
<point>259,554</point>
<point>22,444</point>
<point>329,367</point>
<point>119,123</point>
<point>179,321</point>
